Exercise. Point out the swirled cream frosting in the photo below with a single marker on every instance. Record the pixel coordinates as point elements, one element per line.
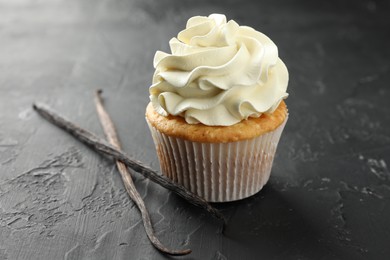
<point>218,73</point>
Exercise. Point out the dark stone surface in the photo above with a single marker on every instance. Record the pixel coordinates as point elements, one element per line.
<point>329,192</point>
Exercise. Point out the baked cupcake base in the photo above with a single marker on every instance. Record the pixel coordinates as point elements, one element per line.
<point>217,171</point>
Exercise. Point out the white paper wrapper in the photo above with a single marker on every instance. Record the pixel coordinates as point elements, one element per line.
<point>218,172</point>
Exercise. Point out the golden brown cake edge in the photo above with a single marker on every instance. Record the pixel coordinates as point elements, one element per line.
<point>176,126</point>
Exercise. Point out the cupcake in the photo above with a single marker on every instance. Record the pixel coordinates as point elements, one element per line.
<point>217,109</point>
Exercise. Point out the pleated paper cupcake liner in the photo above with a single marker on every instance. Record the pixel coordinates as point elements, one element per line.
<point>218,172</point>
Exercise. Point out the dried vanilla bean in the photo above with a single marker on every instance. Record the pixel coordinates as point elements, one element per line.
<point>103,147</point>
<point>110,132</point>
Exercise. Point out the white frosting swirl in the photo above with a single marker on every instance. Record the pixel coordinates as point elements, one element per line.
<point>219,73</point>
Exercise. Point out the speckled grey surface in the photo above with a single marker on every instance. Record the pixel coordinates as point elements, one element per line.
<point>329,192</point>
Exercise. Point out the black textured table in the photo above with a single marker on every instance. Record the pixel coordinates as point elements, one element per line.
<point>329,192</point>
